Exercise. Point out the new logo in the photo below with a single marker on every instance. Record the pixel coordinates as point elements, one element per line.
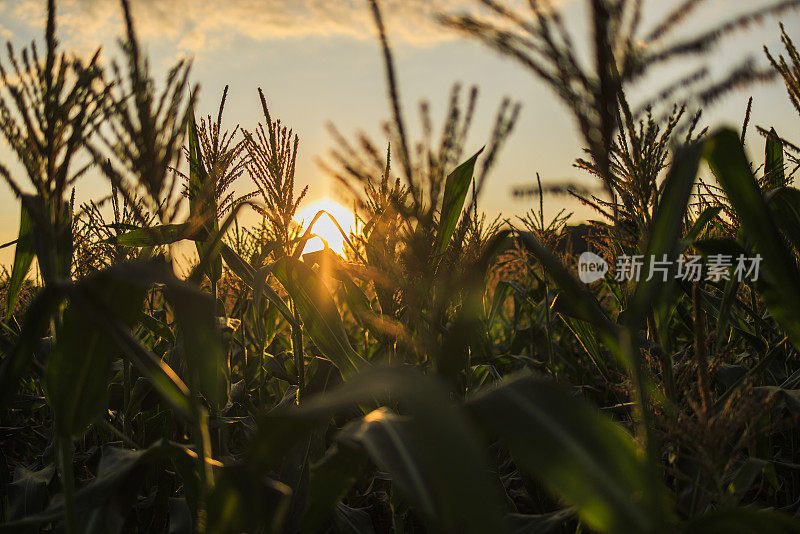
<point>591,267</point>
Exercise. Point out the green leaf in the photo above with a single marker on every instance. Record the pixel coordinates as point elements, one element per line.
<point>52,237</point>
<point>202,201</point>
<point>255,280</point>
<point>51,233</point>
<point>779,280</point>
<point>202,341</point>
<point>591,462</point>
<point>23,257</point>
<point>708,215</point>
<point>162,234</point>
<point>106,501</point>
<point>28,493</point>
<point>78,369</point>
<point>319,313</point>
<point>357,301</point>
<point>742,521</point>
<point>464,495</point>
<point>784,203</point>
<point>165,380</point>
<point>157,328</point>
<point>330,480</point>
<point>501,292</point>
<point>665,234</point>
<point>750,470</point>
<point>244,502</point>
<point>34,327</point>
<point>395,445</point>
<point>586,336</point>
<point>580,302</point>
<point>141,392</point>
<point>352,520</point>
<point>773,161</point>
<point>455,192</point>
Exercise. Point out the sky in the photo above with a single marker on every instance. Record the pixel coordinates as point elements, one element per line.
<point>319,62</point>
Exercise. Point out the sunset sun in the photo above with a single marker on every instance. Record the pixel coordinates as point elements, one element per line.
<point>324,229</point>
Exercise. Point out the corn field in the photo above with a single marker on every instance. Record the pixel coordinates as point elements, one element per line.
<point>444,372</point>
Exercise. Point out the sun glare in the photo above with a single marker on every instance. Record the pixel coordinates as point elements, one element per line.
<point>324,229</point>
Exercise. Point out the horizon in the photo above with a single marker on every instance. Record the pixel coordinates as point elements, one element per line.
<point>320,64</point>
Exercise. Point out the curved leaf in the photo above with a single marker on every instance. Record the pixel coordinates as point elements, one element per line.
<point>34,327</point>
<point>329,481</point>
<point>319,313</point>
<point>242,502</point>
<point>23,257</point>
<point>587,459</point>
<point>784,203</point>
<point>742,521</point>
<point>455,192</point>
<point>78,368</point>
<point>255,280</point>
<point>465,497</point>
<point>202,201</point>
<point>779,279</point>
<point>162,234</point>
<point>773,161</point>
<point>202,341</point>
<point>108,498</point>
<point>663,238</point>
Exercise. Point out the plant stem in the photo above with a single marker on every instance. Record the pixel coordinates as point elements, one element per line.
<point>102,423</point>
<point>630,346</point>
<point>550,359</point>
<point>68,482</point>
<point>262,382</point>
<point>700,351</point>
<point>126,395</point>
<point>297,350</point>
<point>663,354</point>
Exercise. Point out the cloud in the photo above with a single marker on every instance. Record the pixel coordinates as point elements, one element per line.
<point>196,25</point>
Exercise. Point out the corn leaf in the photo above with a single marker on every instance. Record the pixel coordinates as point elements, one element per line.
<point>773,161</point>
<point>455,192</point>
<point>455,475</point>
<point>243,502</point>
<point>329,481</point>
<point>742,520</point>
<point>395,446</point>
<point>779,280</point>
<point>202,201</point>
<point>162,234</point>
<point>588,460</point>
<point>104,502</point>
<point>576,298</point>
<point>165,380</point>
<point>319,313</point>
<point>708,215</point>
<point>784,203</point>
<point>663,238</point>
<point>255,280</point>
<point>23,257</point>
<point>28,493</point>
<point>202,341</point>
<point>78,369</point>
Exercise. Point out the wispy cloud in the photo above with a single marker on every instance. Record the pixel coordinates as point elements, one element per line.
<point>196,25</point>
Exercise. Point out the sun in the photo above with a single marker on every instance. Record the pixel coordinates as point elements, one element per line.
<point>324,228</point>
